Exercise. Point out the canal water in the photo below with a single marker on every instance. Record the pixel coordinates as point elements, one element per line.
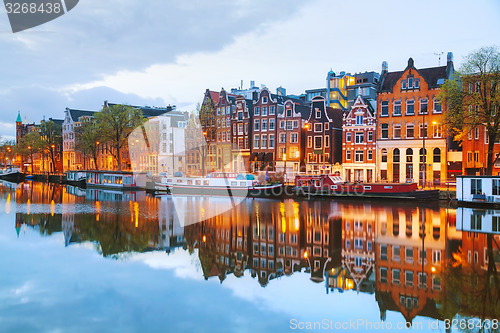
<point>76,260</point>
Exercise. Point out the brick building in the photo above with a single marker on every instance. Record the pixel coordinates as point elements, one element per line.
<point>409,117</point>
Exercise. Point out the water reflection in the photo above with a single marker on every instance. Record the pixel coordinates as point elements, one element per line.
<point>432,262</point>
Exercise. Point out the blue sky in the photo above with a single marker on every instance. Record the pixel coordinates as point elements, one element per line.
<point>169,52</point>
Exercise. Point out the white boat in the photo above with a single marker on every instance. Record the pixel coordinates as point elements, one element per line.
<point>479,191</point>
<point>219,184</point>
<point>122,180</point>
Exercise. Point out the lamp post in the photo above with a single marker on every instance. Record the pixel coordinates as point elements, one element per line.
<point>424,155</point>
<point>285,179</point>
<point>97,143</point>
<point>306,128</point>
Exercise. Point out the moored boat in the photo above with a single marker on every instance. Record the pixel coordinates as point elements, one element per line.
<point>479,191</point>
<point>12,175</point>
<point>333,186</point>
<point>76,178</point>
<point>122,180</point>
<point>219,184</point>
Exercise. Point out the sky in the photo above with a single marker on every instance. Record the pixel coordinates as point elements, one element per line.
<point>163,52</point>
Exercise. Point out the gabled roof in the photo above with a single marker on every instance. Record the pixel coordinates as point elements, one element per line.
<point>57,121</point>
<point>361,103</point>
<point>76,114</point>
<point>431,75</point>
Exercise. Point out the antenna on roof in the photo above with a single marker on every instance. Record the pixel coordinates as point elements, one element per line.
<point>439,57</point>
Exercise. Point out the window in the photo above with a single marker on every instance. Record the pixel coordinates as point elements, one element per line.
<point>396,253</point>
<point>264,141</point>
<point>359,120</point>
<point>437,131</point>
<point>476,222</point>
<point>476,186</point>
<point>264,124</point>
<point>348,137</point>
<point>496,187</point>
<point>410,131</point>
<point>495,224</point>
<point>264,100</point>
<point>327,141</point>
<point>410,82</point>
<point>383,252</point>
<point>397,108</point>
<point>423,105</point>
<point>282,137</point>
<point>383,274</point>
<point>422,279</point>
<point>358,155</point>
<point>403,84</point>
<point>348,155</point>
<point>410,107</point>
<point>384,109</point>
<point>409,278</point>
<point>318,113</point>
<point>271,124</point>
<point>417,83</point>
<point>257,111</point>
<point>397,131</point>
<point>359,137</point>
<point>272,110</point>
<point>423,130</point>
<point>438,108</point>
<point>318,140</point>
<point>395,276</point>
<point>309,142</point>
<point>294,137</point>
<point>436,257</point>
<point>370,136</point>
<point>385,131</point>
<point>318,127</point>
<point>384,155</point>
<point>476,133</point>
<point>289,125</point>
<point>436,155</point>
<point>256,125</point>
<point>264,110</point>
<point>271,141</point>
<point>396,155</point>
<point>256,141</point>
<point>409,254</point>
<point>370,155</point>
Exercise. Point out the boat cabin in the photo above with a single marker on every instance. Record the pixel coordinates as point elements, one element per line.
<point>478,189</point>
<point>116,179</point>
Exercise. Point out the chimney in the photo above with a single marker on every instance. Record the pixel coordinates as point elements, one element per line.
<point>385,67</point>
<point>449,65</point>
<point>252,84</point>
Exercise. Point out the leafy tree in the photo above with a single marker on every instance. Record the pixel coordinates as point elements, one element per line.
<point>28,146</point>
<point>473,98</point>
<point>89,138</point>
<point>51,137</point>
<point>116,122</point>
<point>7,152</point>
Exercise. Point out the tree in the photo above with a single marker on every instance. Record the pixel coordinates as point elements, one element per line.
<point>51,137</point>
<point>473,98</point>
<point>88,140</point>
<point>206,117</point>
<point>116,122</point>
<point>7,152</point>
<point>29,145</point>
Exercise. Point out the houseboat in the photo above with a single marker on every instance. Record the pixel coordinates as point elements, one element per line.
<point>76,178</point>
<point>479,191</point>
<point>219,184</point>
<point>12,175</point>
<point>334,186</point>
<point>121,180</point>
<point>478,220</point>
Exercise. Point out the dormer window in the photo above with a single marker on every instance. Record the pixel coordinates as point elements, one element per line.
<point>403,84</point>
<point>289,113</point>
<point>264,100</point>
<point>417,84</point>
<point>318,113</point>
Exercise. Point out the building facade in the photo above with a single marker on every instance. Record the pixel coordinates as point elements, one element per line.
<point>411,137</point>
<point>359,143</point>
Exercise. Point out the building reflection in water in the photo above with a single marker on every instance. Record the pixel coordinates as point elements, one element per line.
<point>419,261</point>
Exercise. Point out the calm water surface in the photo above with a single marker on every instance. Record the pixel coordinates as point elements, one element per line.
<point>77,260</point>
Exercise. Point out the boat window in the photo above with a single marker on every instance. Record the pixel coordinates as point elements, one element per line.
<point>205,182</point>
<point>234,183</point>
<point>169,180</point>
<point>387,187</point>
<point>190,182</point>
<point>367,187</point>
<point>243,184</point>
<point>197,182</point>
<point>179,180</point>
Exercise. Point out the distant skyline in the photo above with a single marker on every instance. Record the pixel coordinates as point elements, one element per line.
<point>165,52</point>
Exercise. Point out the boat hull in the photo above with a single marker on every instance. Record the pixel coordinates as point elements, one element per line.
<point>14,177</point>
<point>408,195</point>
<point>271,191</point>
